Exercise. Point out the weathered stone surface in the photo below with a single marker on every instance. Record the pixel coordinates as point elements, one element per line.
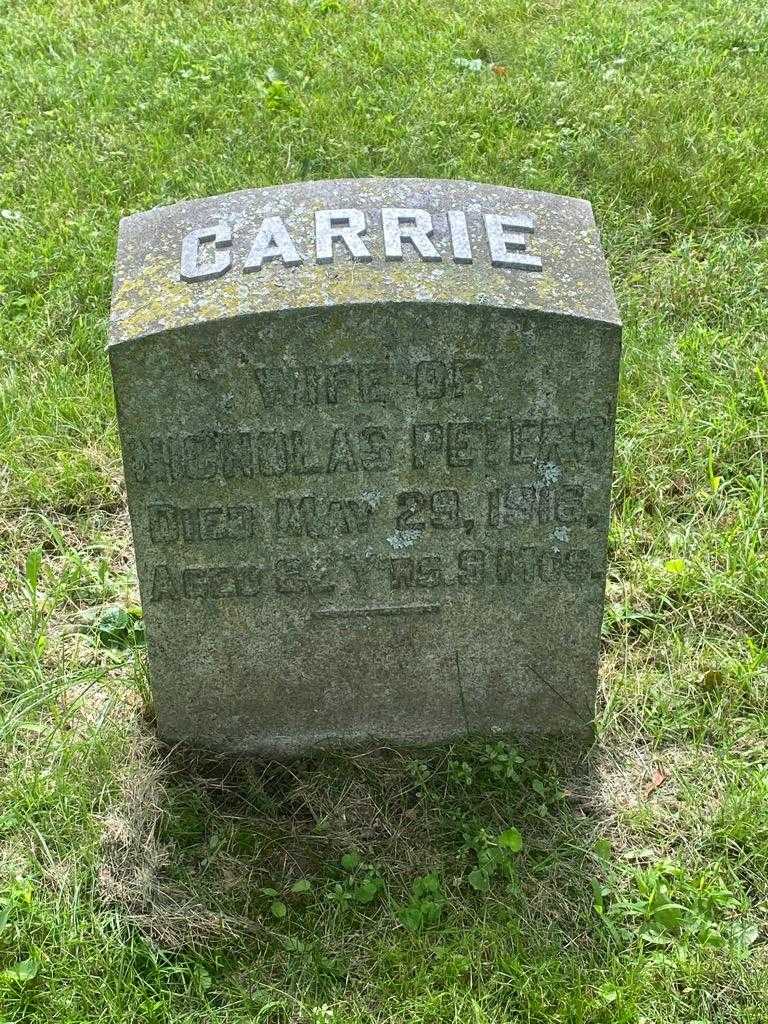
<point>367,430</point>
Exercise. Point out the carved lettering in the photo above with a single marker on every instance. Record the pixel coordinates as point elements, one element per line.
<point>164,584</point>
<point>342,384</point>
<point>546,445</point>
<point>408,225</point>
<point>191,269</point>
<point>342,232</point>
<point>437,379</point>
<point>342,455</point>
<point>525,505</point>
<point>295,576</point>
<point>309,516</point>
<point>507,241</point>
<point>529,565</point>
<point>428,440</point>
<point>408,572</point>
<point>171,523</point>
<point>346,226</point>
<point>217,582</point>
<point>439,510</point>
<point>460,243</point>
<point>272,242</point>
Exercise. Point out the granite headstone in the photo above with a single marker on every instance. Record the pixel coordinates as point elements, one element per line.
<point>367,431</point>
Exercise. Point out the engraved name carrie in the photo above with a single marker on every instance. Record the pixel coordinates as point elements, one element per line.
<point>207,252</point>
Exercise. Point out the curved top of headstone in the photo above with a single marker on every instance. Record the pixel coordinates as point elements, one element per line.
<point>350,242</point>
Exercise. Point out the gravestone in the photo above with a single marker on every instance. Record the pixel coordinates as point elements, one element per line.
<point>367,431</point>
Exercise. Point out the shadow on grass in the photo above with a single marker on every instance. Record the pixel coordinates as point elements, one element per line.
<point>375,874</point>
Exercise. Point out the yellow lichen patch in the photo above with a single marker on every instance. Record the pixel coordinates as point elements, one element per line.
<point>156,300</point>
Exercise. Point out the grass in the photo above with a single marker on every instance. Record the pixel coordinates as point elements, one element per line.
<point>389,887</point>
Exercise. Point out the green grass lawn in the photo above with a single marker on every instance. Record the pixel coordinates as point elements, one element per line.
<point>391,887</point>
